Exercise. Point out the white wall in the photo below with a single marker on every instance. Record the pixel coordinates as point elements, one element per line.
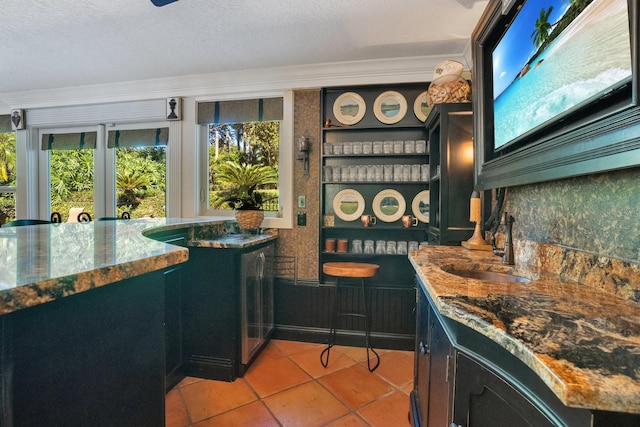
<point>145,101</point>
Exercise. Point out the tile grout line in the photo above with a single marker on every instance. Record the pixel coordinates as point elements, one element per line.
<point>184,406</point>
<point>349,410</point>
<point>282,355</point>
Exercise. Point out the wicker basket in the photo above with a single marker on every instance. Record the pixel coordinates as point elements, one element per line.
<point>249,220</point>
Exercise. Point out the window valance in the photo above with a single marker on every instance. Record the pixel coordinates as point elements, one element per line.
<point>69,141</point>
<point>138,138</point>
<point>246,110</point>
<point>5,123</point>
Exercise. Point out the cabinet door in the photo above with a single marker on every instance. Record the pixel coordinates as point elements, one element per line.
<point>450,130</point>
<point>422,359</point>
<point>484,399</point>
<point>172,319</point>
<point>440,378</point>
<point>433,382</point>
<point>210,313</point>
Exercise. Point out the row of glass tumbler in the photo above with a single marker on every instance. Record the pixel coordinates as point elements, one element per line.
<point>382,247</point>
<point>374,147</point>
<point>376,173</point>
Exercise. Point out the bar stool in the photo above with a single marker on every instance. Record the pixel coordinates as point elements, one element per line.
<point>357,270</point>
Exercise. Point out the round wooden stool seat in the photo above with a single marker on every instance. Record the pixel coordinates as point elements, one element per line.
<point>350,269</point>
<point>354,270</point>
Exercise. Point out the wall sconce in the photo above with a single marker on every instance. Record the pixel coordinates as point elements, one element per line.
<point>303,151</point>
<point>476,242</point>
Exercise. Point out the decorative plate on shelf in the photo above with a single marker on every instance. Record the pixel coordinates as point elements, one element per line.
<point>420,107</point>
<point>420,206</point>
<point>349,108</point>
<point>390,107</point>
<point>348,205</point>
<point>389,205</point>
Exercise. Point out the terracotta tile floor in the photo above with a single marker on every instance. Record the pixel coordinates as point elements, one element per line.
<point>287,386</point>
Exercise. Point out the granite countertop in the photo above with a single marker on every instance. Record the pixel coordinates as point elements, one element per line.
<point>230,241</point>
<point>41,263</point>
<point>584,343</point>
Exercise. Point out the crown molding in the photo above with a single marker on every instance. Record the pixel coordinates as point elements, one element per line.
<point>350,73</point>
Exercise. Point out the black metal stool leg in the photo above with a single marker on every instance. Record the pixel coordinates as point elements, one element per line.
<point>367,332</point>
<point>324,356</point>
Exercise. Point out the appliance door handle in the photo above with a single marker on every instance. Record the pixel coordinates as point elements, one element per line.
<point>260,266</point>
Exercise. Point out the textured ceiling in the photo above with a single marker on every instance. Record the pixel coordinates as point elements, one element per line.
<point>61,43</point>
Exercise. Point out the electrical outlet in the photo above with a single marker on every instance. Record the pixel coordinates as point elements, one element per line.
<point>302,202</point>
<point>302,218</point>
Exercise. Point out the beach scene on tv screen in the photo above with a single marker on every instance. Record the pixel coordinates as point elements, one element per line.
<point>555,57</point>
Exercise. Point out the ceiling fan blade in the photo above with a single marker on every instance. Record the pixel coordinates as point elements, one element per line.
<point>162,2</point>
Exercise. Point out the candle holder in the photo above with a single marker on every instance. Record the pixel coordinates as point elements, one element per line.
<point>476,242</point>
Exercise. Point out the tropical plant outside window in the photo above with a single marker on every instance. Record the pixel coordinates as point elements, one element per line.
<point>71,177</point>
<point>252,143</point>
<point>140,181</point>
<point>7,176</point>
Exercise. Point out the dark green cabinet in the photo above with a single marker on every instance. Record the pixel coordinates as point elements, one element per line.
<point>433,382</point>
<point>464,379</point>
<point>450,134</point>
<point>226,309</point>
<point>173,326</point>
<point>210,310</point>
<point>484,399</point>
<point>172,310</point>
<point>95,358</point>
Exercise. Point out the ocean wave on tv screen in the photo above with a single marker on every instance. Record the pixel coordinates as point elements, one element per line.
<point>591,57</point>
<point>527,114</point>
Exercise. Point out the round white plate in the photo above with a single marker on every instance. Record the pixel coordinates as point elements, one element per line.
<point>390,107</point>
<point>349,108</point>
<point>420,107</point>
<point>389,205</point>
<point>420,206</point>
<point>348,205</point>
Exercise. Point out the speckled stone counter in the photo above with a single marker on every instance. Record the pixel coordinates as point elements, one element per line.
<point>42,263</point>
<point>231,241</point>
<point>584,343</point>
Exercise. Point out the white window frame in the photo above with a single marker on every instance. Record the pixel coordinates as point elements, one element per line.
<point>284,217</point>
<point>104,167</point>
<point>31,203</point>
<point>44,165</point>
<point>110,164</point>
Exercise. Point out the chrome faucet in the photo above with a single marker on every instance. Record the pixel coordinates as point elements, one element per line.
<point>506,253</point>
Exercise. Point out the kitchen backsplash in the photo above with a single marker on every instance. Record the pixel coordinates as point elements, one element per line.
<point>584,228</point>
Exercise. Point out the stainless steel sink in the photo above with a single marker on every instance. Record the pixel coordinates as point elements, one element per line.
<point>490,276</point>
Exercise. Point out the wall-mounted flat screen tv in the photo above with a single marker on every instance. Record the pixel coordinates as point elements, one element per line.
<point>556,57</point>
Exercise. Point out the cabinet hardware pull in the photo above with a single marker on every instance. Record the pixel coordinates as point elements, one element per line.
<point>424,349</point>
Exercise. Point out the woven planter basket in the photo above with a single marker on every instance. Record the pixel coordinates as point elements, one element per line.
<point>249,220</point>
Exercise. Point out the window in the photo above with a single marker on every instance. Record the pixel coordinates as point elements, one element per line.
<point>71,175</point>
<point>106,173</point>
<point>7,176</point>
<point>141,170</point>
<point>255,132</point>
<point>251,143</point>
